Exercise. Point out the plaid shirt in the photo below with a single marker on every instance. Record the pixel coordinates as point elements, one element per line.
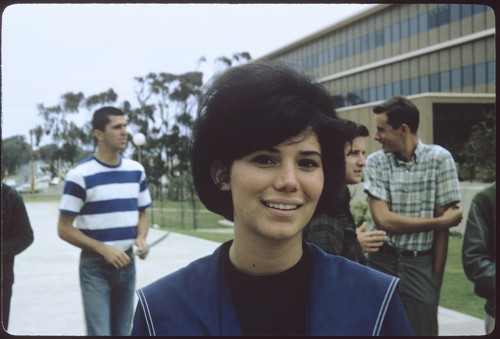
<point>335,236</point>
<point>414,188</point>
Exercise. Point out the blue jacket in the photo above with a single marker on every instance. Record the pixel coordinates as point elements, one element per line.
<point>346,298</point>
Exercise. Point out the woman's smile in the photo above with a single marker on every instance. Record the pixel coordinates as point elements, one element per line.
<point>275,191</point>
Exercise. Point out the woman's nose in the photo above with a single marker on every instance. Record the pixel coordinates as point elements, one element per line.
<point>286,180</point>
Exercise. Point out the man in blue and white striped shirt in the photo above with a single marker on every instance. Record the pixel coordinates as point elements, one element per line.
<point>103,212</point>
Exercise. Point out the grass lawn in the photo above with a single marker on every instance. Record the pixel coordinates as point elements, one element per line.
<point>457,292</point>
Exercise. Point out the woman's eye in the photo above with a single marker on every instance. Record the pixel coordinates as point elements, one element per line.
<point>263,160</point>
<point>308,163</point>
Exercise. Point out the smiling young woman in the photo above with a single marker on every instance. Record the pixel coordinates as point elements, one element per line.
<point>268,154</point>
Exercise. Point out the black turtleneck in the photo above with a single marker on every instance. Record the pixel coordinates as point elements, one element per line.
<point>273,304</point>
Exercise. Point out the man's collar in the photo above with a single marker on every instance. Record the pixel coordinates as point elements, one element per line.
<point>415,158</point>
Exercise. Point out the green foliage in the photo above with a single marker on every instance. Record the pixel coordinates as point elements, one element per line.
<point>479,151</point>
<point>62,126</point>
<point>360,212</point>
<point>457,292</point>
<point>15,153</point>
<point>165,114</point>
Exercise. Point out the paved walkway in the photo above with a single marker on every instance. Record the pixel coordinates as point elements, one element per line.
<point>46,298</point>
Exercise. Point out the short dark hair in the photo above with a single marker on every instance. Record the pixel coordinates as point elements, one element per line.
<point>399,111</point>
<point>360,131</point>
<point>101,117</point>
<point>256,106</point>
<point>354,130</point>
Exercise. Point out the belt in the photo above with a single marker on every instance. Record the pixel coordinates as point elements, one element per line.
<point>403,253</point>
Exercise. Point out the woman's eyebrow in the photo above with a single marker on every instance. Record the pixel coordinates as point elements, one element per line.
<point>310,153</point>
<point>304,153</point>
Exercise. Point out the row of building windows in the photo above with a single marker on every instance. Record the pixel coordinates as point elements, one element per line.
<point>395,32</point>
<point>444,81</point>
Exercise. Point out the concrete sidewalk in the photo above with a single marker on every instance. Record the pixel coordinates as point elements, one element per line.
<point>46,298</point>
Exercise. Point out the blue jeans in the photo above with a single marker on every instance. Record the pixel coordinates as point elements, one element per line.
<point>108,295</point>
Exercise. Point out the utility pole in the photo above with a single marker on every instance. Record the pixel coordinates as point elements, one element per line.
<point>32,164</point>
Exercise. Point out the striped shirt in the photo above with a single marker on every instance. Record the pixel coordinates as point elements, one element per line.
<point>106,200</point>
<point>414,188</point>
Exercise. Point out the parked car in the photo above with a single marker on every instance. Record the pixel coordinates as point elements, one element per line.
<point>26,188</point>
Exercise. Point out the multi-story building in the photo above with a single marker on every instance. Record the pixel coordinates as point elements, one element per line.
<point>441,56</point>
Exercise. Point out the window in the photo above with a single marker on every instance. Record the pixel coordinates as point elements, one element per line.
<point>445,81</point>
<point>413,26</point>
<point>396,36</point>
<point>424,83</point>
<point>350,48</point>
<point>388,90</point>
<point>480,74</point>
<point>454,12</point>
<point>444,15</point>
<point>379,37</point>
<point>456,78</point>
<point>422,22</point>
<point>357,46</point>
<point>405,87</point>
<point>405,29</point>
<point>415,88</point>
<point>364,43</point>
<point>490,65</point>
<point>396,88</point>
<point>380,92</point>
<point>387,34</point>
<point>434,78</point>
<point>468,76</point>
<point>466,11</point>
<point>373,94</point>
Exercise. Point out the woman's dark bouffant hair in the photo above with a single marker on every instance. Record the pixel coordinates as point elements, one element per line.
<point>257,106</point>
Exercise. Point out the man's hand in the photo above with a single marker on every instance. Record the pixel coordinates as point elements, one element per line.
<point>115,256</point>
<point>142,248</point>
<point>370,240</point>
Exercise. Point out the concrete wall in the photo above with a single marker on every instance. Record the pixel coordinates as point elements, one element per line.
<point>467,189</point>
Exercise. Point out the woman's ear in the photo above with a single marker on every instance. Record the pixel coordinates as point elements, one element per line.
<point>220,176</point>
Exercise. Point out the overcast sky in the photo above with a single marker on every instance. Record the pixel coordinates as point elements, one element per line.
<point>49,50</point>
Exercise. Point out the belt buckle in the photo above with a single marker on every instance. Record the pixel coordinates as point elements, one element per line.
<point>408,253</point>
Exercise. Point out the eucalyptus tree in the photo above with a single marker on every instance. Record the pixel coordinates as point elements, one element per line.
<point>167,104</point>
<point>15,153</point>
<point>67,124</point>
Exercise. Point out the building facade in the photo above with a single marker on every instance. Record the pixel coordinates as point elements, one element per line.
<point>440,56</point>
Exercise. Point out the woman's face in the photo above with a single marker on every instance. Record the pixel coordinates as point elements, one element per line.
<point>275,191</point>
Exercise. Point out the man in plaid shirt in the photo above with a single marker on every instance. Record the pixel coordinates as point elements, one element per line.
<point>413,191</point>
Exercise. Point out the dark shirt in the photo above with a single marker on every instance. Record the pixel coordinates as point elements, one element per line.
<point>272,304</point>
<point>17,233</point>
<point>335,235</point>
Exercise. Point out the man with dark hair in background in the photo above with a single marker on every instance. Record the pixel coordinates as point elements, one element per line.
<point>103,212</point>
<point>413,191</point>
